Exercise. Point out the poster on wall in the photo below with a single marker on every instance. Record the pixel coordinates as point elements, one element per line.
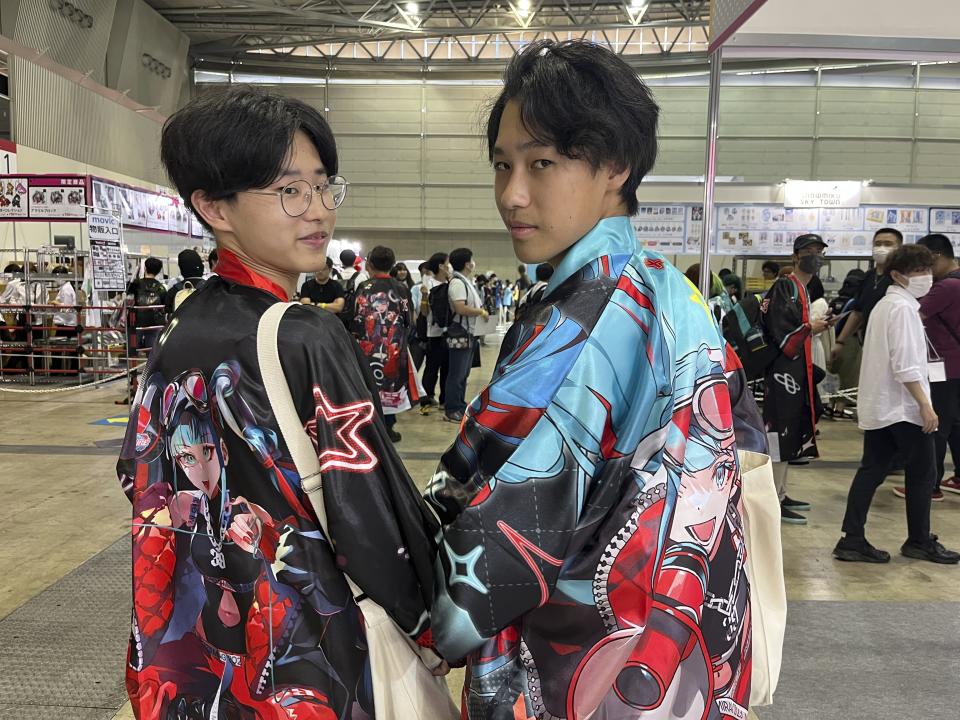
<point>945,220</point>
<point>905,219</point>
<point>661,227</point>
<point>57,198</point>
<point>694,230</point>
<point>851,242</point>
<point>767,217</point>
<point>106,252</point>
<point>13,198</point>
<point>839,219</point>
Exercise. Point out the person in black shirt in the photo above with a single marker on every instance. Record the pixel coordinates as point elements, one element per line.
<point>323,292</point>
<point>191,271</point>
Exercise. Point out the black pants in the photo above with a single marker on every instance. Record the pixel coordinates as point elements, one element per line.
<point>438,362</point>
<point>879,447</point>
<point>946,403</point>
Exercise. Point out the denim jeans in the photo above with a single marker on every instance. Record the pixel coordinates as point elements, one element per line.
<point>457,374</point>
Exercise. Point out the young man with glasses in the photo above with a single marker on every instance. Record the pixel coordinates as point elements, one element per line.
<point>790,402</point>
<point>240,604</point>
<point>592,558</point>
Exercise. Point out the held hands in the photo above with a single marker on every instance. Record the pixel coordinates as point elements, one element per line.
<point>819,325</point>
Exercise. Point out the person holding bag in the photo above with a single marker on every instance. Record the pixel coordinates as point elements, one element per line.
<point>282,557</point>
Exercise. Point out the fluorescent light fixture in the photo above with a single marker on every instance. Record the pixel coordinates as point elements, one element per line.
<point>413,8</point>
<point>523,8</point>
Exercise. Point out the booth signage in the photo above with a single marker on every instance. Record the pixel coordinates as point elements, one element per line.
<point>106,252</point>
<point>818,194</point>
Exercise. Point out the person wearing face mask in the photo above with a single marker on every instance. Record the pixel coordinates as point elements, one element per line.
<point>940,309</point>
<point>873,289</point>
<point>790,403</point>
<point>896,414</point>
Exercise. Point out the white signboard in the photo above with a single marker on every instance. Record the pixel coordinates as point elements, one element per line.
<point>106,252</point>
<point>819,194</point>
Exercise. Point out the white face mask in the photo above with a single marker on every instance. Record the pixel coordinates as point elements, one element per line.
<point>920,285</point>
<point>881,254</point>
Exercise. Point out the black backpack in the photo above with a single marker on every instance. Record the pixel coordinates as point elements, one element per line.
<point>349,301</point>
<point>150,291</point>
<point>743,329</point>
<point>439,302</point>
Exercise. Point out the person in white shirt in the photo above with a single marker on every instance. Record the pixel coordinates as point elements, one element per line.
<point>896,414</point>
<point>349,258</point>
<point>467,306</point>
<point>66,322</point>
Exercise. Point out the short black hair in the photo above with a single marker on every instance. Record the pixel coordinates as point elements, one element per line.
<point>329,263</point>
<point>910,258</point>
<point>771,266</point>
<point>460,257</point>
<point>544,272</point>
<point>13,268</point>
<point>522,269</point>
<point>423,266</point>
<point>724,272</point>
<point>59,270</point>
<point>585,101</point>
<point>436,260</point>
<point>891,231</point>
<point>225,141</point>
<point>212,258</point>
<point>153,266</point>
<point>382,258</point>
<point>347,258</point>
<point>938,244</point>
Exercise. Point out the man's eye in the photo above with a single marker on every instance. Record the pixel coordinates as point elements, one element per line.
<point>290,191</point>
<point>499,166</point>
<point>542,164</point>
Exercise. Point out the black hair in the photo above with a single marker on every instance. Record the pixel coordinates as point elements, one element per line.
<point>190,263</point>
<point>329,263</point>
<point>910,258</point>
<point>423,266</point>
<point>226,141</point>
<point>347,258</point>
<point>13,268</point>
<point>59,270</point>
<point>153,266</point>
<point>522,269</point>
<point>938,244</point>
<point>396,270</point>
<point>382,258</point>
<point>544,272</point>
<point>891,231</point>
<point>586,102</point>
<point>771,266</point>
<point>724,272</point>
<point>436,260</point>
<point>460,257</point>
<point>212,259</point>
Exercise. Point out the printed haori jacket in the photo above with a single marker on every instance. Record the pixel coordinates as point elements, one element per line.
<point>592,562</point>
<point>240,607</point>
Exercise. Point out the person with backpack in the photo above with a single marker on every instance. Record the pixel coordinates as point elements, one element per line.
<point>436,311</point>
<point>191,280</point>
<point>790,405</point>
<point>466,305</point>
<point>381,325</point>
<point>147,300</point>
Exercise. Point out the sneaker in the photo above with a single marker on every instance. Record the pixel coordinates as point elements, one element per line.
<point>394,435</point>
<point>789,516</point>
<point>795,505</point>
<point>930,550</point>
<point>424,409</point>
<point>952,485</point>
<point>428,402</point>
<point>901,492</point>
<point>859,550</point>
<point>455,418</point>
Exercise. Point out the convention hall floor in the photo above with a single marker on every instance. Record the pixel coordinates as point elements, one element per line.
<point>863,641</point>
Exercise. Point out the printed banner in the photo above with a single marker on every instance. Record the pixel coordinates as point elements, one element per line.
<point>106,252</point>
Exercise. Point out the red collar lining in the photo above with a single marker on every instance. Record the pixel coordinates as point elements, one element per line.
<point>231,268</point>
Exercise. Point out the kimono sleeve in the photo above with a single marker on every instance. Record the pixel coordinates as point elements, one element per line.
<point>783,319</point>
<point>381,530</point>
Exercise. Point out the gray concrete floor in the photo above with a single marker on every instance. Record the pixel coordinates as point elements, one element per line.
<point>63,506</point>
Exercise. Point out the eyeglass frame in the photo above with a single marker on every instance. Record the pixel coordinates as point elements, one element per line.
<point>314,189</point>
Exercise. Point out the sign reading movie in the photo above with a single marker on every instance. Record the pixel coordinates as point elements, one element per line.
<point>822,194</point>
<point>106,252</point>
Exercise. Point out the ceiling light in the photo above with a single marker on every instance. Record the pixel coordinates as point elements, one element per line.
<point>523,7</point>
<point>413,8</point>
<point>637,4</point>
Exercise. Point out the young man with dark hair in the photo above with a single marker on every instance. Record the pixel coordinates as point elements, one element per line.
<point>590,501</point>
<point>896,414</point>
<point>241,607</point>
<point>535,293</point>
<point>382,317</point>
<point>212,261</point>
<point>940,310</point>
<point>466,303</point>
<point>145,317</point>
<point>323,292</point>
<point>790,401</point>
<point>438,356</point>
<point>191,278</point>
<point>770,270</point>
<point>523,280</point>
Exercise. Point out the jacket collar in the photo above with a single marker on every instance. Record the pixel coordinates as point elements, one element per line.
<point>897,289</point>
<point>231,268</point>
<point>610,236</point>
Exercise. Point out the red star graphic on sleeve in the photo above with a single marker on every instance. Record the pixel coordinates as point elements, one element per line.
<point>349,452</point>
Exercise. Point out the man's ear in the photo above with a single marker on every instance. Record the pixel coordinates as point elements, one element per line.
<point>617,177</point>
<point>210,210</point>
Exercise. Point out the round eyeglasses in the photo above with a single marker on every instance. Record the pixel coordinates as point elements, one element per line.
<point>295,197</point>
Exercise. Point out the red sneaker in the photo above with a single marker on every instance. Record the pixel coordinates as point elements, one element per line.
<point>951,485</point>
<point>902,493</point>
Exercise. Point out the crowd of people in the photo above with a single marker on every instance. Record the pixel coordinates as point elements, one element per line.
<point>890,337</point>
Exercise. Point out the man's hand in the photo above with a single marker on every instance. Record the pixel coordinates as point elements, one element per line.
<point>930,420</point>
<point>818,326</point>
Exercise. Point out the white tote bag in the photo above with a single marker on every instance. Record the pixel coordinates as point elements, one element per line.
<point>768,595</point>
<point>403,686</point>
